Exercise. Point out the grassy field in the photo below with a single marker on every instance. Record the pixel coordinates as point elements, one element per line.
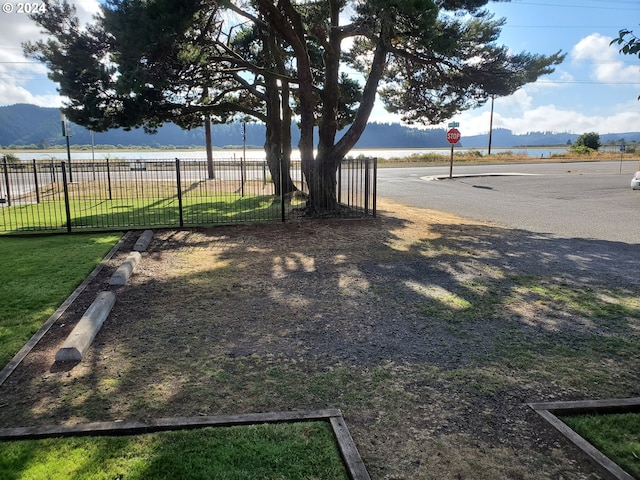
<point>36,275</point>
<point>96,214</point>
<point>295,451</point>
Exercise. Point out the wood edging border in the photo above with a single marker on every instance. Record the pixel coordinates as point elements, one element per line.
<point>549,411</point>
<point>33,341</point>
<point>348,451</point>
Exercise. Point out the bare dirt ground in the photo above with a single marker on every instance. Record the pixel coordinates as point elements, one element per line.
<point>431,334</point>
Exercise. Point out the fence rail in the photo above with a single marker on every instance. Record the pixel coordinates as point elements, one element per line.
<point>52,196</point>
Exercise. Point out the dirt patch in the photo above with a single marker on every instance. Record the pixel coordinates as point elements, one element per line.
<point>429,332</point>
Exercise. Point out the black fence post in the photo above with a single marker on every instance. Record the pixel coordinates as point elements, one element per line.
<point>339,181</point>
<point>67,205</point>
<point>264,173</point>
<point>179,181</point>
<point>242,176</point>
<point>282,216</point>
<point>109,179</point>
<point>6,179</point>
<point>35,181</point>
<point>366,186</point>
<point>52,168</point>
<point>375,184</point>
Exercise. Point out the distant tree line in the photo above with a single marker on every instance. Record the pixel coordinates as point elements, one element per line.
<point>40,130</point>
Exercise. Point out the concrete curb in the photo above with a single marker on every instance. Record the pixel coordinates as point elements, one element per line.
<point>143,241</point>
<point>432,178</point>
<point>120,277</point>
<point>87,328</point>
<point>85,331</point>
<point>125,270</point>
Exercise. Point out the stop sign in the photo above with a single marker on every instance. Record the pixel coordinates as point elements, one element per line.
<point>453,136</point>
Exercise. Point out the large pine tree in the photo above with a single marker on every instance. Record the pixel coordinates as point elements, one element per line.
<point>144,62</point>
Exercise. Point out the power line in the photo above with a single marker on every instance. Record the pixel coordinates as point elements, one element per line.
<point>586,82</point>
<point>561,26</point>
<point>581,6</point>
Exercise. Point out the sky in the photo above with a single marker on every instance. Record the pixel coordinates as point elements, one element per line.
<point>595,89</point>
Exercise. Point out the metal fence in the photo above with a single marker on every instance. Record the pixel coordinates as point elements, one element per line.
<point>53,196</point>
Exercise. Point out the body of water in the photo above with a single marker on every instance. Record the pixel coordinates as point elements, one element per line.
<point>258,154</point>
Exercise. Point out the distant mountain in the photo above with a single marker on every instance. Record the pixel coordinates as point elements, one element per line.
<point>30,125</point>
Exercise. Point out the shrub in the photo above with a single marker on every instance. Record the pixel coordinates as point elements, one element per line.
<point>582,149</point>
<point>11,158</point>
<point>590,140</point>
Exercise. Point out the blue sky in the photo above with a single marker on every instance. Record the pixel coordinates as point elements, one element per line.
<point>595,89</point>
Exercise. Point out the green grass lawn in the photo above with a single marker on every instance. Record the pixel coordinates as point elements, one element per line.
<point>269,451</point>
<point>615,435</point>
<point>96,214</point>
<point>37,274</point>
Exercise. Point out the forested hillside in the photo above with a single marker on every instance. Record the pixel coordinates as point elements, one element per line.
<point>29,125</point>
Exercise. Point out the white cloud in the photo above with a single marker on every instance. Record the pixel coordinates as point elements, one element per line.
<point>22,80</point>
<point>520,100</point>
<point>623,118</point>
<point>11,94</point>
<point>604,59</point>
<point>593,47</point>
<point>546,118</point>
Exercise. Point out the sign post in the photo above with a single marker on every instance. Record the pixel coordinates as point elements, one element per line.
<point>453,137</point>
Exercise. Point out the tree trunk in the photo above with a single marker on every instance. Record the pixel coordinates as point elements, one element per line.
<point>278,122</point>
<point>276,159</point>
<point>278,155</point>
<point>321,171</point>
<point>321,176</point>
<point>207,141</point>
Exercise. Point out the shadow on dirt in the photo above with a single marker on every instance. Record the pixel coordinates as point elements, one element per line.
<point>429,335</point>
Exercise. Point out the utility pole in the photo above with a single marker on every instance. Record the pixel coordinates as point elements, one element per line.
<point>66,134</point>
<point>490,125</point>
<point>207,141</point>
<point>207,137</point>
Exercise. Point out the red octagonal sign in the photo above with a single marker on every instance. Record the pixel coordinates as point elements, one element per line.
<point>453,136</point>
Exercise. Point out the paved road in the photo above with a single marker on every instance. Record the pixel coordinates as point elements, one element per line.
<point>568,200</point>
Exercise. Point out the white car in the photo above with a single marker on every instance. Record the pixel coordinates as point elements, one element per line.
<point>635,181</point>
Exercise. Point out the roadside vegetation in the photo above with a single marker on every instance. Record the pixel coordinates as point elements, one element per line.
<point>36,275</point>
<point>514,156</point>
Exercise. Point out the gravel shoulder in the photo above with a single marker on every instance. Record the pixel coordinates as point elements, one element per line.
<point>431,333</point>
